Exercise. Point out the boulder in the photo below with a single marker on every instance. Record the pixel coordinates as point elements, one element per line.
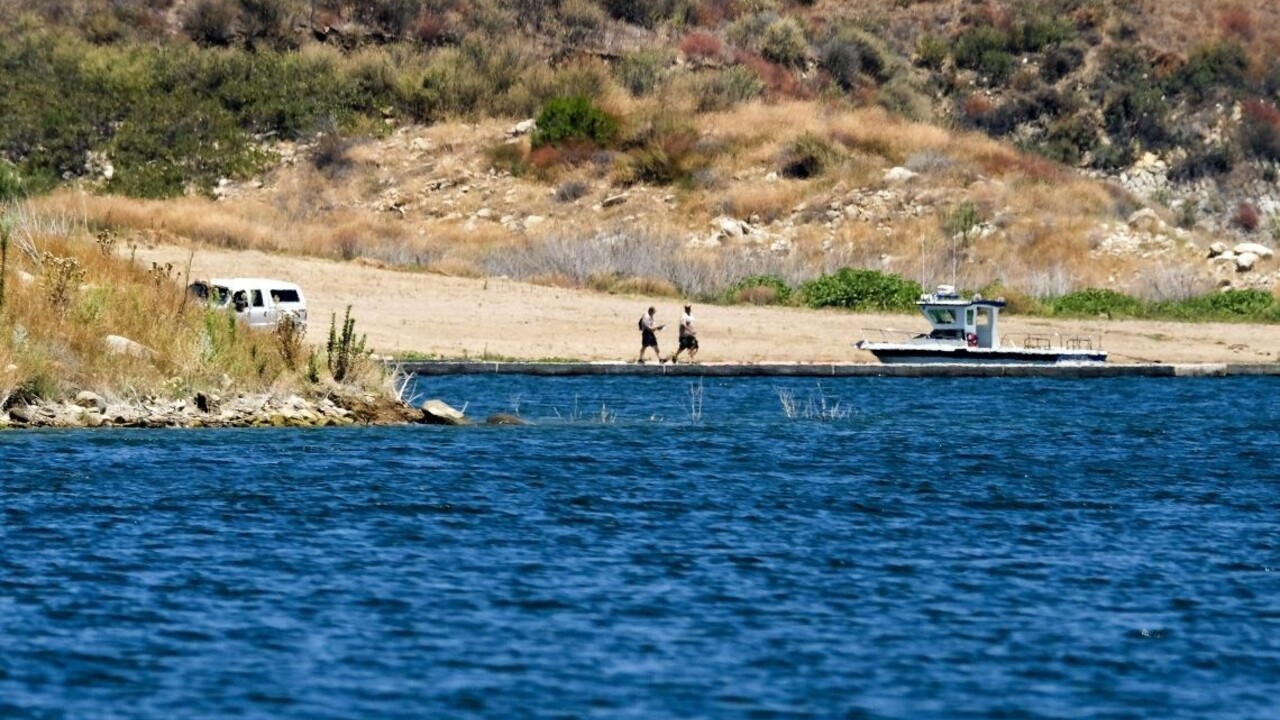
<point>1217,249</point>
<point>524,127</point>
<point>614,200</point>
<point>437,412</point>
<point>91,400</point>
<point>1145,220</point>
<point>1262,251</point>
<point>1245,261</point>
<point>729,226</point>
<point>505,419</point>
<point>117,345</point>
<point>22,414</point>
<point>899,175</point>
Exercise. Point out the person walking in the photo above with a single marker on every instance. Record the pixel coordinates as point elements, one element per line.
<point>649,336</point>
<point>688,336</point>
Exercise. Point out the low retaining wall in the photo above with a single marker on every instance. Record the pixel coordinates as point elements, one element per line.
<point>444,367</point>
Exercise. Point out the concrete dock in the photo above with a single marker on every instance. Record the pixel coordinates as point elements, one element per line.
<point>449,367</point>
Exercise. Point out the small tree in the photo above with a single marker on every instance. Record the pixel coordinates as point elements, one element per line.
<point>959,223</point>
<point>343,349</point>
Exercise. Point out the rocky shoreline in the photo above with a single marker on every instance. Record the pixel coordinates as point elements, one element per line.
<point>91,410</point>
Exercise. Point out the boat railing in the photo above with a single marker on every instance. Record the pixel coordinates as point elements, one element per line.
<point>1041,341</point>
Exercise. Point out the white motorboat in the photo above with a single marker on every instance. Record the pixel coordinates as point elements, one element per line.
<point>966,330</point>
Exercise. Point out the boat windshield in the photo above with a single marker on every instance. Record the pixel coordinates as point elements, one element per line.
<point>941,316</point>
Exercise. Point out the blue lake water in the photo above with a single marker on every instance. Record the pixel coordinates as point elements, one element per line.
<point>889,548</point>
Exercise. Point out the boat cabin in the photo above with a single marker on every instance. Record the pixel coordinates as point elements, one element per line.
<point>970,322</point>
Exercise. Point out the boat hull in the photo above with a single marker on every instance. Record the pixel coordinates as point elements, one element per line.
<point>894,354</point>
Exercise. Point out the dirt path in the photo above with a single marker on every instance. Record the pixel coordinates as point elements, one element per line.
<point>405,312</point>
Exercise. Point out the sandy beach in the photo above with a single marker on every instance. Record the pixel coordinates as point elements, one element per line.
<point>496,318</point>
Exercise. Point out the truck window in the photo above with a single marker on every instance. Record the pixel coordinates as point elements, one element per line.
<point>285,295</point>
<point>257,297</point>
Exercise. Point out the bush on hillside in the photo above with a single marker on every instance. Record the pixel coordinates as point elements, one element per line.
<point>726,88</point>
<point>1140,114</point>
<point>931,52</point>
<point>759,290</point>
<point>1214,68</point>
<point>784,43</point>
<point>1211,161</point>
<point>1060,61</point>
<point>860,289</point>
<point>1228,305</point>
<point>1092,302</point>
<point>1260,130</point>
<point>1069,139</point>
<point>210,22</point>
<point>985,50</point>
<point>849,52</point>
<point>701,45</point>
<point>12,186</point>
<point>641,71</point>
<point>650,13</point>
<point>807,156</point>
<point>574,118</point>
<point>582,22</point>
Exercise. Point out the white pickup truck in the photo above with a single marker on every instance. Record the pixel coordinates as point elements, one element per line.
<point>262,302</point>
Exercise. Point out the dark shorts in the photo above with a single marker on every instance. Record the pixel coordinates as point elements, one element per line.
<point>688,342</point>
<point>648,339</point>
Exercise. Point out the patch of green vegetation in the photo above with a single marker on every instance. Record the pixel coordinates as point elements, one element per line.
<point>1092,302</point>
<point>574,118</point>
<point>1226,306</point>
<point>861,289</point>
<point>760,290</point>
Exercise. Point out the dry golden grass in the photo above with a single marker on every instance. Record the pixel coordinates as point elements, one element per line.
<point>767,201</point>
<point>68,290</point>
<point>415,198</point>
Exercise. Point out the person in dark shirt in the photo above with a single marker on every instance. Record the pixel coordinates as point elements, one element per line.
<point>649,336</point>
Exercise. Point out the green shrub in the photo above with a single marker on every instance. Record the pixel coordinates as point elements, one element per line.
<point>725,88</point>
<point>1228,305</point>
<point>760,290</point>
<point>650,13</point>
<point>641,71</point>
<point>1140,113</point>
<point>1216,159</point>
<point>1217,67</point>
<point>849,52</point>
<point>1096,301</point>
<point>1059,61</point>
<point>784,43</point>
<point>12,186</point>
<point>210,22</point>
<point>346,353</point>
<point>985,50</point>
<point>860,289</point>
<point>574,118</point>
<point>1068,139</point>
<point>931,52</point>
<point>1039,33</point>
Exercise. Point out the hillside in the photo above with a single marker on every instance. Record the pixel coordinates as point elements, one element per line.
<point>1168,104</point>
